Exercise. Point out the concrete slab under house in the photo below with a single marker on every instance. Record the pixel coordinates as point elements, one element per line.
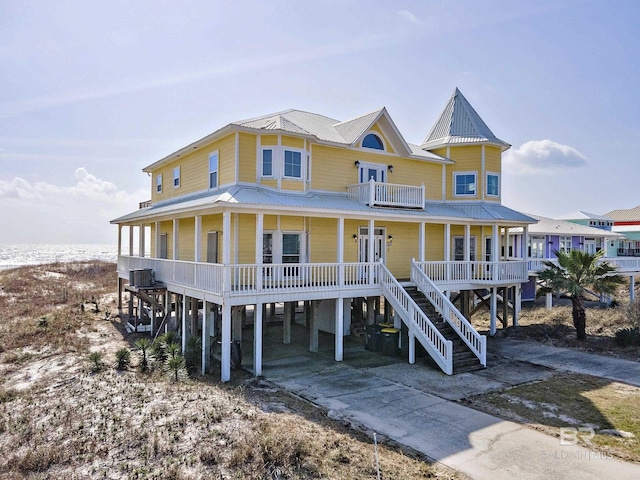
<point>344,222</point>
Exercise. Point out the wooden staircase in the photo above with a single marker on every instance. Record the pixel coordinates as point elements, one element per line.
<point>464,360</point>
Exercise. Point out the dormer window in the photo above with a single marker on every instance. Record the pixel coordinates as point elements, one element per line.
<point>373,141</point>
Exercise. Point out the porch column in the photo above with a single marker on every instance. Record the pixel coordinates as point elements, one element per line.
<point>131,240</point>
<point>494,311</point>
<point>184,324</point>
<point>157,240</point>
<point>506,243</point>
<point>494,243</point>
<point>259,251</point>
<point>226,237</point>
<point>371,253</point>
<point>467,243</point>
<point>289,313</point>
<point>340,254</point>
<point>225,361</point>
<point>313,327</point>
<point>517,303</point>
<point>206,336</point>
<point>141,241</point>
<point>421,237</point>
<point>447,242</point>
<point>339,329</point>
<point>632,286</point>
<point>257,339</point>
<point>412,347</point>
<point>549,301</point>
<point>525,244</point>
<point>236,323</point>
<point>197,254</point>
<point>119,239</point>
<point>176,224</point>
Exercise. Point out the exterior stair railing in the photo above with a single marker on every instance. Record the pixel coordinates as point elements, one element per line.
<point>440,349</point>
<point>477,343</point>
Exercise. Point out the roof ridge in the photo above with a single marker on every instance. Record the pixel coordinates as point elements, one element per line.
<point>359,117</point>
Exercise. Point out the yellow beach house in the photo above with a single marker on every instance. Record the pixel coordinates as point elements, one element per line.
<point>299,208</point>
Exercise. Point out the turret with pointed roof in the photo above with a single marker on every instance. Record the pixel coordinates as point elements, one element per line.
<point>459,124</point>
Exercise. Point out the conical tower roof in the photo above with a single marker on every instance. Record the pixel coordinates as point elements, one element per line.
<point>460,124</point>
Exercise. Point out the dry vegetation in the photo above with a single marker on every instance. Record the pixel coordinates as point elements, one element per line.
<point>58,419</point>
<point>555,326</point>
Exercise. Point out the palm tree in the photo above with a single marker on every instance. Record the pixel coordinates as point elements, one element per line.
<point>577,273</point>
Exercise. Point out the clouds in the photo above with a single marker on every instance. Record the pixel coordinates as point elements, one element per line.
<point>540,156</point>
<point>409,16</point>
<point>77,213</point>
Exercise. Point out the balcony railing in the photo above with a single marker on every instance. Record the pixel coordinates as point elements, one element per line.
<point>475,272</point>
<point>623,264</point>
<point>387,194</point>
<point>236,280</point>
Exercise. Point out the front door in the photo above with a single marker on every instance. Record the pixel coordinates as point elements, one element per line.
<point>379,249</point>
<point>458,249</point>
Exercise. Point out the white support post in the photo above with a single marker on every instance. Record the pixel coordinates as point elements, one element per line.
<point>421,238</point>
<point>197,254</point>
<point>226,237</point>
<point>632,287</point>
<point>525,243</point>
<point>372,192</point>
<point>184,324</point>
<point>549,301</point>
<point>467,243</point>
<point>412,348</point>
<point>289,313</point>
<point>119,239</point>
<point>176,224</point>
<point>517,303</point>
<point>340,255</point>
<point>494,311</point>
<point>313,327</point>
<point>371,252</point>
<point>447,249</point>
<point>339,330</point>
<point>494,243</point>
<point>157,252</point>
<point>141,241</point>
<point>257,340</point>
<point>206,336</point>
<point>259,250</point>
<point>131,240</point>
<point>225,364</point>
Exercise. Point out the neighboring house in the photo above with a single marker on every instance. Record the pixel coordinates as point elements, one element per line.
<point>299,207</point>
<point>550,235</point>
<point>627,222</point>
<point>601,222</point>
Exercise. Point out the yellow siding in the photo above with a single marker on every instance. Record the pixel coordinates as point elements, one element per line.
<point>323,240</point>
<point>194,170</point>
<point>434,236</point>
<point>295,185</point>
<point>493,162</point>
<point>351,228</point>
<point>269,182</point>
<point>290,223</point>
<point>269,140</point>
<point>468,159</point>
<point>247,143</point>
<point>293,142</point>
<point>247,239</point>
<point>186,239</point>
<point>403,248</point>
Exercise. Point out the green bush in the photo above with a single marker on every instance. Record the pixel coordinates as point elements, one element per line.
<point>628,337</point>
<point>123,358</point>
<point>143,345</point>
<point>95,359</point>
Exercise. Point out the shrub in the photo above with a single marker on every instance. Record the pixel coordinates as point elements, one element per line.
<point>143,345</point>
<point>627,337</point>
<point>95,359</point>
<point>123,358</point>
<point>193,355</point>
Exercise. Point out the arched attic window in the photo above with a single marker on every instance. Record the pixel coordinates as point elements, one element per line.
<point>373,141</point>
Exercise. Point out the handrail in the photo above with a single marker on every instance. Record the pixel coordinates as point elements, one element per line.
<point>475,272</point>
<point>477,343</point>
<point>440,349</point>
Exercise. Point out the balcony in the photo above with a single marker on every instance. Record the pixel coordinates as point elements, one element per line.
<point>380,194</point>
<point>623,264</point>
<point>475,273</point>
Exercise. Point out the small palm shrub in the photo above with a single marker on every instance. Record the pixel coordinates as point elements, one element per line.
<point>95,361</point>
<point>628,337</point>
<point>123,358</point>
<point>143,345</point>
<point>175,364</point>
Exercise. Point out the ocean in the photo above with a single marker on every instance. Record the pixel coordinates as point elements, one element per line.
<point>12,256</point>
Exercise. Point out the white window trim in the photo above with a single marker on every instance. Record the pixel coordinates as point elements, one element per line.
<point>176,169</point>
<point>364,166</point>
<point>159,183</point>
<point>464,195</point>
<point>303,154</point>
<point>367,149</point>
<point>217,154</point>
<point>487,184</point>
<point>274,150</point>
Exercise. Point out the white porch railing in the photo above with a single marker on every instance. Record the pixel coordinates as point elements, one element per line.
<point>440,349</point>
<point>475,272</point>
<point>623,264</point>
<point>477,343</point>
<point>255,279</point>
<point>387,194</point>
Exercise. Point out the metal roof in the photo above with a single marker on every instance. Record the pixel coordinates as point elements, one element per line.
<point>551,226</point>
<point>458,124</point>
<point>257,197</point>
<point>582,215</point>
<point>628,215</point>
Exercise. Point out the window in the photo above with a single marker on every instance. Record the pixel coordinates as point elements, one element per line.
<point>373,141</point>
<point>493,184</point>
<point>213,170</point>
<point>368,171</point>
<point>537,247</point>
<point>290,248</point>
<point>159,183</point>
<point>458,249</point>
<point>176,177</point>
<point>267,248</point>
<point>292,164</point>
<point>267,163</point>
<point>565,244</point>
<point>464,184</point>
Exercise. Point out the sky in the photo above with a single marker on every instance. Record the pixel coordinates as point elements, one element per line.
<point>93,91</point>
